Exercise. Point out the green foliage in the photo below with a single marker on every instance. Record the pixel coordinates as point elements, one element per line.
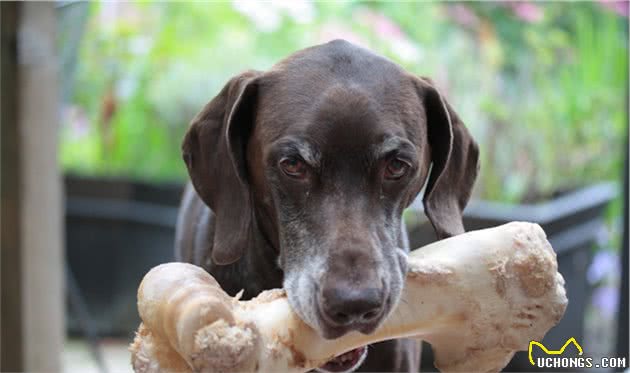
<point>541,88</point>
<point>570,95</point>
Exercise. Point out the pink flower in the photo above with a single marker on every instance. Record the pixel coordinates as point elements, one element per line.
<point>528,12</point>
<point>463,15</point>
<point>380,23</point>
<point>75,118</point>
<point>331,31</point>
<point>606,300</point>
<point>387,30</point>
<point>619,7</point>
<point>604,264</point>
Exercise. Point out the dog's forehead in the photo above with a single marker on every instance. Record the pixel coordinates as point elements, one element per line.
<point>342,119</point>
<point>338,92</point>
<point>346,117</point>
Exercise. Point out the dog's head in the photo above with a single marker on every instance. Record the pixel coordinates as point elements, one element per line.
<point>321,155</point>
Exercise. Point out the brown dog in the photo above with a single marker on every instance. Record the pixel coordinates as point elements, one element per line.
<point>301,175</point>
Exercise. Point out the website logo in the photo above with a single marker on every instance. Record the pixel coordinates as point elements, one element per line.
<point>561,358</point>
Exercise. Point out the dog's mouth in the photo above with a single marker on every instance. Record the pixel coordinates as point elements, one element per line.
<point>345,362</point>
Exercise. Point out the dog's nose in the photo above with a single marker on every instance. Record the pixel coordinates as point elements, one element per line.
<point>345,305</point>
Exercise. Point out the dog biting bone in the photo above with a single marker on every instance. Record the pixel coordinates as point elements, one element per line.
<point>477,298</point>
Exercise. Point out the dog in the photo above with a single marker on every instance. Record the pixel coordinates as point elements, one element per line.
<point>300,176</point>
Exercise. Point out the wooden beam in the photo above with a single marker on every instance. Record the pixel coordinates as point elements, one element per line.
<point>34,195</point>
<point>10,305</point>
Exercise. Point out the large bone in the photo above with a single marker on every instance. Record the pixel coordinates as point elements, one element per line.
<point>477,298</point>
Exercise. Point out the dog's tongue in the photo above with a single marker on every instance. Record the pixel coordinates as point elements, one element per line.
<point>346,361</point>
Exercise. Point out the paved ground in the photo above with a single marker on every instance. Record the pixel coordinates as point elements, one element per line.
<point>78,358</point>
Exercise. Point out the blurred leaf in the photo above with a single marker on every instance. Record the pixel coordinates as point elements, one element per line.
<point>544,96</point>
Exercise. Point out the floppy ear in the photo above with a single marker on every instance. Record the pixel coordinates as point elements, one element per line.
<point>455,158</point>
<point>214,152</point>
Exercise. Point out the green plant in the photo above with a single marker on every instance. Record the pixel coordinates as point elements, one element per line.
<point>543,92</point>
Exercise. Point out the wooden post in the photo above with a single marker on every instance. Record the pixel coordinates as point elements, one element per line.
<point>10,307</point>
<point>32,225</point>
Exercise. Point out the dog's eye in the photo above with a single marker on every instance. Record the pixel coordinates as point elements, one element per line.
<point>396,168</point>
<point>293,167</point>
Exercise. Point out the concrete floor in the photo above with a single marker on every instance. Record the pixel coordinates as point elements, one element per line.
<point>77,357</point>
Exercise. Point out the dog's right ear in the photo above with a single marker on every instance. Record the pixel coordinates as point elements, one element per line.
<point>214,152</point>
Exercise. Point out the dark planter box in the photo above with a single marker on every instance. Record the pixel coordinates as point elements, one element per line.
<point>116,230</point>
<point>572,223</point>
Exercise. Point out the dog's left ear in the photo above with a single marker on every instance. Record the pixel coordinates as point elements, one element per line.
<point>455,158</point>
